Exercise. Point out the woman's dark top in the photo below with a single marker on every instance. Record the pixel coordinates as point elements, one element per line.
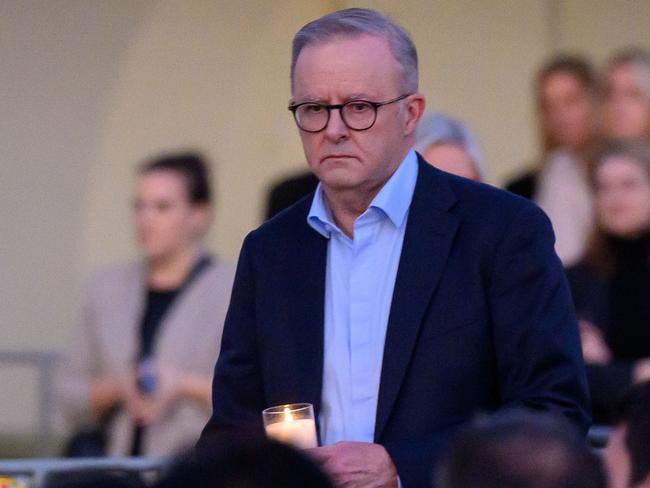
<point>156,306</point>
<point>158,301</point>
<point>619,304</point>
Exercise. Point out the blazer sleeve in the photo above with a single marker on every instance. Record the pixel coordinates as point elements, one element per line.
<point>237,388</point>
<point>80,365</point>
<point>608,385</point>
<point>535,332</point>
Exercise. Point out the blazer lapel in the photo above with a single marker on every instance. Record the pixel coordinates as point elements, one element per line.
<point>429,234</point>
<point>309,255</point>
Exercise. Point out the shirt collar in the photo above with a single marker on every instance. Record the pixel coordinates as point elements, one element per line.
<point>393,199</point>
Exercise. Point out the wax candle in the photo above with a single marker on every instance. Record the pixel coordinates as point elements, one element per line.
<point>294,425</point>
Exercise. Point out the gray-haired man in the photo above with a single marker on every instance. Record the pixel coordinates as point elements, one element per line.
<point>397,299</point>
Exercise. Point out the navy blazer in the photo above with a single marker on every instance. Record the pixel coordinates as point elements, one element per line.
<point>481,319</point>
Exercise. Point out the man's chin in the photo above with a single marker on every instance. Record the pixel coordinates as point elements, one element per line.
<point>338,182</point>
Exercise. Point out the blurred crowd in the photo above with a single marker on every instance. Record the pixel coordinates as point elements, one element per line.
<point>137,378</point>
<point>593,181</point>
<point>509,449</point>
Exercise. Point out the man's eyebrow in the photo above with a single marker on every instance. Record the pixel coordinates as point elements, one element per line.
<point>358,96</point>
<point>315,99</point>
<point>308,99</point>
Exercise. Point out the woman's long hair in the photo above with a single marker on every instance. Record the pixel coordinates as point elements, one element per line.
<point>599,254</point>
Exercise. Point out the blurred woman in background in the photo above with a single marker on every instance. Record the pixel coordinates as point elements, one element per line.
<point>626,96</point>
<point>450,146</point>
<point>140,366</point>
<point>611,285</point>
<point>565,89</point>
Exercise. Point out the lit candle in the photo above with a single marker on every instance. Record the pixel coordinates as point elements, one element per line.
<point>294,424</point>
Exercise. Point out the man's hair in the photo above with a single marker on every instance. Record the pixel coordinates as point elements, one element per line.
<point>577,66</point>
<point>634,413</point>
<point>638,58</point>
<point>520,449</point>
<point>243,460</point>
<point>94,478</point>
<point>355,22</point>
<point>191,166</point>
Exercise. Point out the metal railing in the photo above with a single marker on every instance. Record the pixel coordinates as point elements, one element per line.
<point>33,473</point>
<point>45,362</point>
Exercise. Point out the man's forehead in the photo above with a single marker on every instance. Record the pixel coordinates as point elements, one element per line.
<point>359,65</point>
<point>357,43</point>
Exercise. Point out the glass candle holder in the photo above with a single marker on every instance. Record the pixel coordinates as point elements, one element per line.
<point>292,424</point>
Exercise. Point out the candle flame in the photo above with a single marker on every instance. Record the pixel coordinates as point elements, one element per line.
<point>288,417</point>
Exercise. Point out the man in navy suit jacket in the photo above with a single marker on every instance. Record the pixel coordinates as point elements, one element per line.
<point>472,311</point>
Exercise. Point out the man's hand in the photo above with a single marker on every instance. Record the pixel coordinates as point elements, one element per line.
<point>641,371</point>
<point>594,347</point>
<point>356,464</point>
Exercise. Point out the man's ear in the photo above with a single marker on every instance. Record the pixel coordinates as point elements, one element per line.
<point>414,107</point>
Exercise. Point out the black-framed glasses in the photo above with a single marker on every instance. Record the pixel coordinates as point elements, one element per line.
<point>356,114</point>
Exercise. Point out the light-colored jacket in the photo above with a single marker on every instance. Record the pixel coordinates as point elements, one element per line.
<point>563,192</point>
<point>107,339</point>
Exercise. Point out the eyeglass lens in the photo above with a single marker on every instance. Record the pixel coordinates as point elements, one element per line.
<point>357,115</point>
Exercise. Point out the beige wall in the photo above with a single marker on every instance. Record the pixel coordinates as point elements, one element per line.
<point>200,74</point>
<point>88,88</point>
<point>59,61</point>
<point>475,62</point>
<point>596,28</point>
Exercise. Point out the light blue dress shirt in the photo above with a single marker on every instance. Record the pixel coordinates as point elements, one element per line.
<point>359,282</point>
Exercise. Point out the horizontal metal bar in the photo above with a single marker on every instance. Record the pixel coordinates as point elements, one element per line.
<point>38,469</point>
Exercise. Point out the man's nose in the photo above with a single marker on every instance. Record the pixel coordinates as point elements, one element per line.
<point>336,128</point>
